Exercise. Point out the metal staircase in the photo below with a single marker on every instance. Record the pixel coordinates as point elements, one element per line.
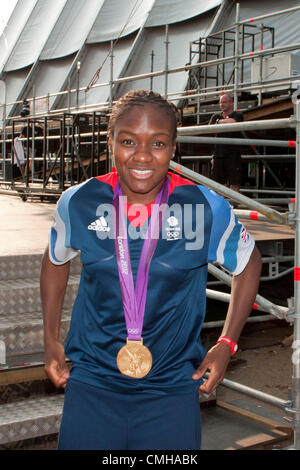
<point>30,406</point>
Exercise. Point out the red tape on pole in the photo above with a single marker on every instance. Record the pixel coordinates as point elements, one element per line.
<point>292,143</point>
<point>297,274</point>
<point>253,215</point>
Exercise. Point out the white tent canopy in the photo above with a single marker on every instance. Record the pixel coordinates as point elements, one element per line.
<point>35,33</point>
<point>119,18</point>
<point>44,39</point>
<point>13,29</point>
<point>162,13</point>
<point>77,16</point>
<point>179,37</point>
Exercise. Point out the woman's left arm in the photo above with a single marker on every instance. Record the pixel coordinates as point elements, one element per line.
<point>243,292</point>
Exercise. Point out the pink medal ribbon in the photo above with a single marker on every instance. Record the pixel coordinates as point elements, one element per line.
<point>134,298</point>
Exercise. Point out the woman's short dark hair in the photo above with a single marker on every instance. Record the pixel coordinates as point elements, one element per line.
<point>141,98</point>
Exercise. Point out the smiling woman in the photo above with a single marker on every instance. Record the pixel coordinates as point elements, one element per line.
<point>134,339</point>
<point>142,142</point>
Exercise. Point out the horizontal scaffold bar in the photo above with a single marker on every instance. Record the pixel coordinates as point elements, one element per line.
<point>237,127</point>
<point>252,392</point>
<point>253,215</point>
<point>243,157</point>
<point>231,141</point>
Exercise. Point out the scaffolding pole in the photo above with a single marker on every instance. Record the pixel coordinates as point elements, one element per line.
<point>272,214</point>
<point>166,59</point>
<point>281,312</point>
<point>270,15</point>
<point>267,398</point>
<point>266,124</point>
<point>237,55</point>
<point>263,304</point>
<point>232,141</point>
<point>295,408</point>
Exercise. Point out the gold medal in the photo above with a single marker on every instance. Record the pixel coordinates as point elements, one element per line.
<point>134,359</point>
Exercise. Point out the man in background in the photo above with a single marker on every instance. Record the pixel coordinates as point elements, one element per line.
<point>226,164</point>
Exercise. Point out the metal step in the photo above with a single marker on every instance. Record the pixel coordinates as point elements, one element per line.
<point>21,338</point>
<point>22,333</point>
<point>28,266</point>
<point>30,418</point>
<point>23,295</point>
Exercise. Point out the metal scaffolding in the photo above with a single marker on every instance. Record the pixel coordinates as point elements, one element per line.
<point>69,149</point>
<point>238,35</point>
<point>291,313</point>
<point>231,48</point>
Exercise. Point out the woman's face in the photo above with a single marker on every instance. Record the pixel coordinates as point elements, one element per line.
<point>142,146</point>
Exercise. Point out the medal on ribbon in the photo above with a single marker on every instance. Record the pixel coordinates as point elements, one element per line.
<point>134,359</point>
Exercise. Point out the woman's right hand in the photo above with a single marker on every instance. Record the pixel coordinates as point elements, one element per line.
<point>55,364</point>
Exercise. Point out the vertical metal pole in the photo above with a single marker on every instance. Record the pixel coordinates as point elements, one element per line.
<point>243,50</point>
<point>166,59</point>
<point>261,65</point>
<point>296,344</point>
<point>27,155</point>
<point>62,155</point>
<point>33,151</point>
<point>33,134</point>
<point>78,83</point>
<point>45,151</point>
<point>72,154</point>
<point>237,58</point>
<point>109,157</point>
<point>198,105</point>
<point>205,60</point>
<point>152,68</point>
<point>198,78</point>
<point>111,74</point>
<point>3,127</point>
<point>33,100</point>
<point>98,143</point>
<point>69,93</point>
<point>12,153</point>
<point>93,145</point>
<point>4,139</point>
<point>223,52</point>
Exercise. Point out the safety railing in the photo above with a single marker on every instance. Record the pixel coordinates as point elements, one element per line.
<point>66,150</point>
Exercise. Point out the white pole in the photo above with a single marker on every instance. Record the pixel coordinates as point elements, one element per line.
<point>295,408</point>
<point>166,59</point>
<point>3,125</point>
<point>237,52</point>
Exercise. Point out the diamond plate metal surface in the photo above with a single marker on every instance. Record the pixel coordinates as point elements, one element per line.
<point>21,329</point>
<point>30,418</point>
<point>23,295</point>
<point>28,266</point>
<point>23,333</point>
